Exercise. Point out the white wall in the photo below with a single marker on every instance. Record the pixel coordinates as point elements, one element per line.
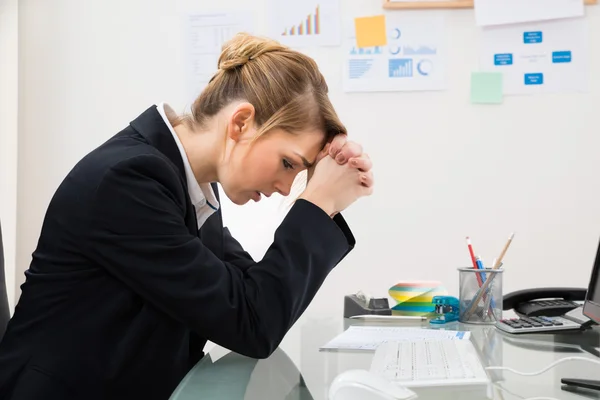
<point>444,168</point>
<point>8,137</point>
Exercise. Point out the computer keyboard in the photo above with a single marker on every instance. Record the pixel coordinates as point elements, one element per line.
<point>429,362</point>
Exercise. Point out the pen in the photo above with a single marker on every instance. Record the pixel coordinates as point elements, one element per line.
<point>474,260</point>
<point>480,266</point>
<point>483,278</point>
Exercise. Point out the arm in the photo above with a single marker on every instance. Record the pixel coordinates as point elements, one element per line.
<point>139,235</point>
<point>234,253</point>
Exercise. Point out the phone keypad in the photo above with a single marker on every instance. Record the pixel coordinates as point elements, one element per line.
<point>536,324</point>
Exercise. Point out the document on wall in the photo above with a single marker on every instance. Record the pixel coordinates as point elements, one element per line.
<point>370,337</point>
<point>497,12</point>
<point>541,57</point>
<point>412,59</point>
<point>300,23</point>
<point>205,35</point>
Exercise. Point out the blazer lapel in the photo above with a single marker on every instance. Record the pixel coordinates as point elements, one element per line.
<point>152,127</point>
<point>211,232</point>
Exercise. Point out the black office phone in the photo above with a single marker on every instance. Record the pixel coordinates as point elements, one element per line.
<point>548,302</point>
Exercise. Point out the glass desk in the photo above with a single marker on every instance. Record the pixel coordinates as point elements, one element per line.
<point>298,370</point>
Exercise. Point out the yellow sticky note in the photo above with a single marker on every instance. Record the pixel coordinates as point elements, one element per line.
<point>370,31</point>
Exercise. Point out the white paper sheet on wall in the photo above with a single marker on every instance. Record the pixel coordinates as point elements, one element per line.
<point>370,337</point>
<point>497,12</point>
<point>541,57</point>
<point>413,59</point>
<point>205,35</point>
<point>300,23</point>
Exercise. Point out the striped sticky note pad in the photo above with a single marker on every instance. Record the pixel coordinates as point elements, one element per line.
<point>415,297</point>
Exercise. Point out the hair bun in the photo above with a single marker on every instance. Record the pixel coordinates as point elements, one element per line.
<point>244,47</point>
<point>233,63</point>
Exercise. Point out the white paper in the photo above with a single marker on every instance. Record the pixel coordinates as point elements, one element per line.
<point>299,23</point>
<point>413,59</point>
<point>542,57</point>
<point>205,36</point>
<point>371,337</point>
<point>497,12</point>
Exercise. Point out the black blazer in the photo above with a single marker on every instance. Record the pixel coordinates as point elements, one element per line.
<point>123,291</point>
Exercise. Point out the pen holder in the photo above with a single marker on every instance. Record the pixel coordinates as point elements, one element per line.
<point>480,299</point>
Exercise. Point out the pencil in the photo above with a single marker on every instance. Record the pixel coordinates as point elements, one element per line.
<point>474,260</point>
<point>499,259</point>
<point>471,253</point>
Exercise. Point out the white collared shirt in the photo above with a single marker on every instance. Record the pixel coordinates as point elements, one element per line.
<point>202,195</point>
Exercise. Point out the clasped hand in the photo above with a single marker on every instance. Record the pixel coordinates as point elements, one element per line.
<point>341,174</point>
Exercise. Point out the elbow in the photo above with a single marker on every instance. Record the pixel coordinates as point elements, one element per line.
<point>265,342</point>
<point>263,348</point>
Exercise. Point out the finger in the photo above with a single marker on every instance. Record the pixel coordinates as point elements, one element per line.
<point>350,150</point>
<point>367,179</point>
<point>362,163</point>
<point>323,153</point>
<point>336,144</point>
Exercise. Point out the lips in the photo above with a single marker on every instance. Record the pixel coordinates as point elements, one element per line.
<point>256,196</point>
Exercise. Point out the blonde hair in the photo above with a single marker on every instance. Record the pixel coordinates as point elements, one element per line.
<point>285,87</point>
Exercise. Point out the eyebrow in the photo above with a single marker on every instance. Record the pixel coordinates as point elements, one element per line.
<point>306,163</point>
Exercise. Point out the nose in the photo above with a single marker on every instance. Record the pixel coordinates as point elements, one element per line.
<point>284,188</point>
<point>284,191</point>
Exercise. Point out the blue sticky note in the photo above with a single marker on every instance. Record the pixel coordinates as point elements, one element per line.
<point>532,37</point>
<point>561,56</point>
<point>534,79</point>
<point>486,87</point>
<point>503,59</point>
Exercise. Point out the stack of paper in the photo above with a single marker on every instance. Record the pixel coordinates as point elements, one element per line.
<point>370,337</point>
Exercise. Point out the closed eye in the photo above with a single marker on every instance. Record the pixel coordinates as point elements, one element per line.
<point>287,164</point>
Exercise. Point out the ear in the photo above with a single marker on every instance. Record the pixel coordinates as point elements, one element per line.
<point>241,121</point>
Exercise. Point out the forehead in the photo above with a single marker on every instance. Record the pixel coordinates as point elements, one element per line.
<point>306,142</point>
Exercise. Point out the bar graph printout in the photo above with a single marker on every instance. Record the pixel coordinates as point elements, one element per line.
<point>300,23</point>
<point>412,59</point>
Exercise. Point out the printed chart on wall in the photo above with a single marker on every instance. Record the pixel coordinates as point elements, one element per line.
<point>541,57</point>
<point>205,34</point>
<point>412,58</point>
<point>299,23</point>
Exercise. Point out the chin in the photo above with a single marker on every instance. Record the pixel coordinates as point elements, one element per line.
<point>237,198</point>
<point>240,201</point>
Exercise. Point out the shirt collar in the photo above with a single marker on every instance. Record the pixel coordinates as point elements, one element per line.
<point>202,195</point>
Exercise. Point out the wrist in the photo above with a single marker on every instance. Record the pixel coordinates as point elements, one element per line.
<point>320,202</point>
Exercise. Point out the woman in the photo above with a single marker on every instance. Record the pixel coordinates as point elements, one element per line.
<point>134,271</point>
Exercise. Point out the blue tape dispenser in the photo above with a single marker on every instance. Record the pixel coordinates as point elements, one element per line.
<point>447,307</point>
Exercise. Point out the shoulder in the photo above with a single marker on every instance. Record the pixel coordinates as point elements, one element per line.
<point>124,165</point>
<point>143,172</point>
